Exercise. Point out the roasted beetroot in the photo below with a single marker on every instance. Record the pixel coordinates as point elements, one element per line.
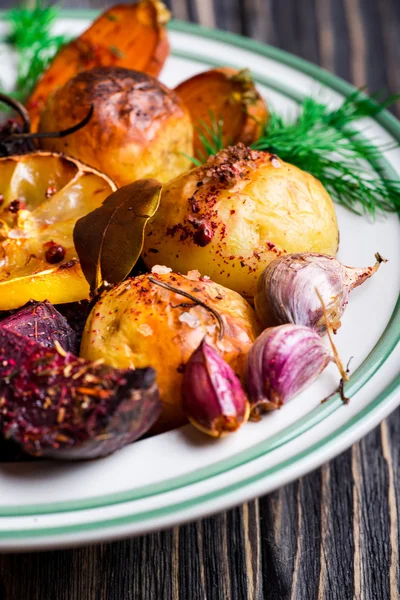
<point>57,405</point>
<point>42,323</point>
<point>76,314</point>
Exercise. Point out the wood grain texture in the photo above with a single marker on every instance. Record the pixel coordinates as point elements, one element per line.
<point>332,535</point>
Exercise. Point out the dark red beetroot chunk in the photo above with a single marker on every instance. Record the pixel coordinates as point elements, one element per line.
<point>57,405</point>
<point>76,314</point>
<point>42,323</point>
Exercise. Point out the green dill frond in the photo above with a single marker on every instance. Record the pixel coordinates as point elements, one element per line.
<point>36,46</point>
<point>326,143</point>
<point>211,136</point>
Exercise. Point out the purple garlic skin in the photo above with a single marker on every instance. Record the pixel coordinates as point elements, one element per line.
<point>286,290</point>
<point>281,363</point>
<point>212,396</point>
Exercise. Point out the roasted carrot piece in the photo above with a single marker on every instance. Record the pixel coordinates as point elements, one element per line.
<point>225,95</point>
<point>127,35</point>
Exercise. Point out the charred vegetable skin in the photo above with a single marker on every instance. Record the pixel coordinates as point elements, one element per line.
<point>133,36</point>
<point>43,324</point>
<point>139,127</point>
<point>56,405</point>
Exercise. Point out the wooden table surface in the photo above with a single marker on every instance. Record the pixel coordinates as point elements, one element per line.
<point>332,535</point>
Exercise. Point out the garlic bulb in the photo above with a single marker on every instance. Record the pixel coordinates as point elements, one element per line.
<point>287,290</point>
<point>281,363</point>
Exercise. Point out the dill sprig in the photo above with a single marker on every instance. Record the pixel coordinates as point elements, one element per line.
<point>31,37</point>
<point>325,143</point>
<point>211,137</point>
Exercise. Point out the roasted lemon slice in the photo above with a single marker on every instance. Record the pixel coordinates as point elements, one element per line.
<point>41,197</point>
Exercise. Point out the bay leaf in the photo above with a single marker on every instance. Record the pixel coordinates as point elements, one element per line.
<point>109,240</point>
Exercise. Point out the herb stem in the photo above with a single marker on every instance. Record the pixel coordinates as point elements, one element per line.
<point>214,312</point>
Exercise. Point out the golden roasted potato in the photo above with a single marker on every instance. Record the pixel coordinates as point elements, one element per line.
<point>133,36</point>
<point>232,216</point>
<point>42,196</point>
<point>228,96</point>
<point>139,127</point>
<point>139,323</point>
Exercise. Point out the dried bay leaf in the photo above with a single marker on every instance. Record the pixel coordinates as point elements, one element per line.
<point>109,240</point>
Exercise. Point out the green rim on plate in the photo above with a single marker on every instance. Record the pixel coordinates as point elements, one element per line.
<point>372,363</point>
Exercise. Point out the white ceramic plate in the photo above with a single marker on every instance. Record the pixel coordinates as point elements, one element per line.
<point>181,475</point>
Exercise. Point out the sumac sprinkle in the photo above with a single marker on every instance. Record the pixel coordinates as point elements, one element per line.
<point>55,253</point>
<point>204,231</point>
<point>195,204</point>
<point>15,206</point>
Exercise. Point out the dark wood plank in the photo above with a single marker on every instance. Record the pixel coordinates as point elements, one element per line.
<point>332,535</point>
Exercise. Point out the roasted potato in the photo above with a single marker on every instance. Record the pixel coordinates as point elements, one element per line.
<point>140,323</point>
<point>227,97</point>
<point>232,216</point>
<point>133,36</point>
<point>41,197</point>
<point>139,127</point>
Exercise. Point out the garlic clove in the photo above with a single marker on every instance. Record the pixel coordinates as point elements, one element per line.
<point>282,362</point>
<point>212,396</point>
<point>286,290</point>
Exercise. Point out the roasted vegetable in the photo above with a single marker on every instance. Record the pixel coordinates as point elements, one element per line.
<point>42,323</point>
<point>127,35</point>
<point>139,128</point>
<point>223,96</point>
<point>57,405</point>
<point>141,322</point>
<point>41,197</point>
<point>76,314</point>
<point>231,217</point>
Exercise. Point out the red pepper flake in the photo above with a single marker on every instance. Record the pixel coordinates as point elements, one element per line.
<point>1,199</point>
<point>204,231</point>
<point>195,204</point>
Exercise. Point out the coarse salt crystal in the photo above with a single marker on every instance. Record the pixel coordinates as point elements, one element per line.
<point>189,319</point>
<point>193,275</point>
<point>275,162</point>
<point>145,330</point>
<point>161,270</point>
